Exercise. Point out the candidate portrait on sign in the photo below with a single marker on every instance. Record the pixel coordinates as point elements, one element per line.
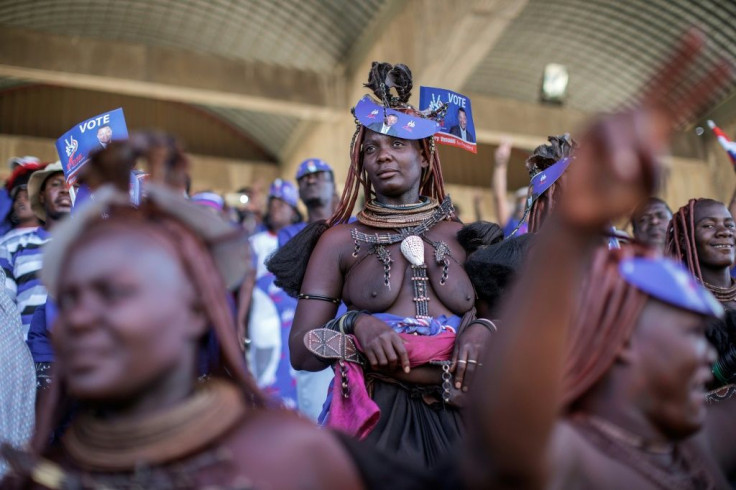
<point>104,135</point>
<point>386,127</point>
<point>461,128</point>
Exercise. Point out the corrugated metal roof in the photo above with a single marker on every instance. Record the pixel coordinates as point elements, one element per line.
<point>609,47</point>
<point>305,34</point>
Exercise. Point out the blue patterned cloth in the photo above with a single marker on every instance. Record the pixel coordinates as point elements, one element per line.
<point>20,259</point>
<point>272,311</point>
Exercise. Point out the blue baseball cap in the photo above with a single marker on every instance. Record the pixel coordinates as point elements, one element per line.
<point>209,199</point>
<point>285,191</point>
<point>670,282</point>
<point>312,166</point>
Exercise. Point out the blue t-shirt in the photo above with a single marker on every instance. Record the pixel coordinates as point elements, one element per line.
<point>288,232</point>
<point>38,334</point>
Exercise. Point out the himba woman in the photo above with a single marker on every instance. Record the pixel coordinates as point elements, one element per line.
<point>399,269</point>
<point>701,234</point>
<point>140,290</point>
<point>608,344</point>
<point>547,166</point>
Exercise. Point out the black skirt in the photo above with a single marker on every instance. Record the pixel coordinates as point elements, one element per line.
<point>413,429</point>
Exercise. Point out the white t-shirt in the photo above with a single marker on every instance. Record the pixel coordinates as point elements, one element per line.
<point>263,244</point>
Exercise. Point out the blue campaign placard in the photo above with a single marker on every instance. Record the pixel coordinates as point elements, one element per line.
<point>393,123</point>
<point>458,128</point>
<point>88,136</point>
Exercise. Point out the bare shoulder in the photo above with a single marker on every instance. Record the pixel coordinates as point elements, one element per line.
<point>335,235</point>
<point>269,442</point>
<point>341,230</point>
<point>334,242</point>
<point>449,227</point>
<point>577,463</point>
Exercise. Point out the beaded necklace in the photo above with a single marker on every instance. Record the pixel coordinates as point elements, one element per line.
<point>411,221</point>
<point>724,295</point>
<point>377,215</point>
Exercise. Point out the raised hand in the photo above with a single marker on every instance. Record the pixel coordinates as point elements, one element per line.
<point>617,164</point>
<point>502,154</point>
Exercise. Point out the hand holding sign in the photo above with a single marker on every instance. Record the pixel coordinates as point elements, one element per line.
<point>77,145</point>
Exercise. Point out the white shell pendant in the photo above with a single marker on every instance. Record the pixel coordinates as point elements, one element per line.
<point>412,247</point>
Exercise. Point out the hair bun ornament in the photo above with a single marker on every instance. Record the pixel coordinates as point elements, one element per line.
<point>545,156</point>
<point>385,76</point>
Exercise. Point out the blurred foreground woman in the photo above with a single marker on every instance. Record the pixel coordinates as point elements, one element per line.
<point>599,378</point>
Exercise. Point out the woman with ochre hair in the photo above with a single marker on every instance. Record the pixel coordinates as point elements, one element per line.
<point>702,234</point>
<point>412,335</point>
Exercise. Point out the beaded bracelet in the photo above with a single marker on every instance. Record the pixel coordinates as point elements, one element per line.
<point>718,373</point>
<point>344,324</point>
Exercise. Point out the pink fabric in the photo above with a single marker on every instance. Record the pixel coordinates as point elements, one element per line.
<point>358,414</point>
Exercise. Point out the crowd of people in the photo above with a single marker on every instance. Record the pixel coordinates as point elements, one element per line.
<point>377,342</point>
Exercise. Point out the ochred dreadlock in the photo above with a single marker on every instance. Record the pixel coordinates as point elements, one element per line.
<point>545,204</point>
<point>392,85</point>
<point>431,184</point>
<point>680,242</point>
<point>608,312</point>
<point>545,156</point>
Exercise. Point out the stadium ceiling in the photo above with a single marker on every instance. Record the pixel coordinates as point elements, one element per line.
<point>609,48</point>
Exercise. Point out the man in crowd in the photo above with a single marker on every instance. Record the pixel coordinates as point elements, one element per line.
<point>649,222</point>
<point>317,191</point>
<point>21,258</point>
<point>21,216</point>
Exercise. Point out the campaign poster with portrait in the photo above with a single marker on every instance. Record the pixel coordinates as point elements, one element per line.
<point>392,123</point>
<point>457,129</point>
<point>88,136</point>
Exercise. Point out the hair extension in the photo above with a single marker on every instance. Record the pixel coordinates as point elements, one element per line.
<point>545,203</point>
<point>607,315</point>
<point>479,234</point>
<point>289,262</point>
<point>382,77</point>
<point>680,242</point>
<point>493,268</point>
<point>431,184</point>
<point>543,157</point>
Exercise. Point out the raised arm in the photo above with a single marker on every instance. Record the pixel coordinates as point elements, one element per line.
<point>615,168</point>
<point>499,183</point>
<point>732,203</point>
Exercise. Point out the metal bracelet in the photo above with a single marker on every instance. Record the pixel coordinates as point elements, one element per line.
<point>486,323</point>
<point>446,378</point>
